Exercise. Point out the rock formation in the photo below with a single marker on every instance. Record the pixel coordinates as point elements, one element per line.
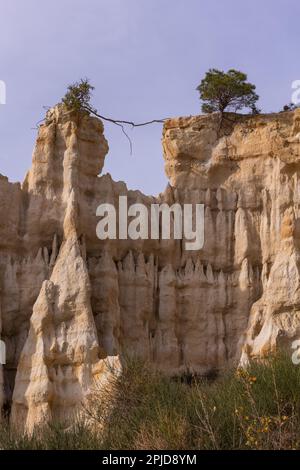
<point>70,301</point>
<point>275,318</point>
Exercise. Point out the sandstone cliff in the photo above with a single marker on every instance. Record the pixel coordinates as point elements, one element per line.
<point>69,301</point>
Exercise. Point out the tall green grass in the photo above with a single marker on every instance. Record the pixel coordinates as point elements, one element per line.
<point>141,409</point>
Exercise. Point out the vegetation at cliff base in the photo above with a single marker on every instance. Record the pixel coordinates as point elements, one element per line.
<point>257,408</point>
<point>220,91</point>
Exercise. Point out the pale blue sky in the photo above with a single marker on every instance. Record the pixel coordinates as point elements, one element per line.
<point>145,58</point>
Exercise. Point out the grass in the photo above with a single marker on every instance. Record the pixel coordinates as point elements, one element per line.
<point>254,409</point>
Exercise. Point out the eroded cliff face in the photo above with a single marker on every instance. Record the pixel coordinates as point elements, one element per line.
<point>69,301</point>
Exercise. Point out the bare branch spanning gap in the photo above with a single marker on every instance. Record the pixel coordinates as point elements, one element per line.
<point>121,123</point>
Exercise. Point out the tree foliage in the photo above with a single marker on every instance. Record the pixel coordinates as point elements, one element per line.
<point>79,95</point>
<point>289,107</point>
<point>220,91</point>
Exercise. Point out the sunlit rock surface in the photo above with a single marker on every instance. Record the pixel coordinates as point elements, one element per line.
<point>69,301</point>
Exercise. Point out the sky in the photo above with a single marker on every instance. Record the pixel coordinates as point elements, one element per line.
<point>145,59</point>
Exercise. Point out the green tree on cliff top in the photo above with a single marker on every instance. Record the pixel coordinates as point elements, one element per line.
<point>220,91</point>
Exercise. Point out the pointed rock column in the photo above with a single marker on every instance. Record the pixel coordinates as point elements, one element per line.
<point>105,301</point>
<point>167,352</point>
<point>60,363</point>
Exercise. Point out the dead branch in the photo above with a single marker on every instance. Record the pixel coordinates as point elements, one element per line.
<point>120,121</point>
